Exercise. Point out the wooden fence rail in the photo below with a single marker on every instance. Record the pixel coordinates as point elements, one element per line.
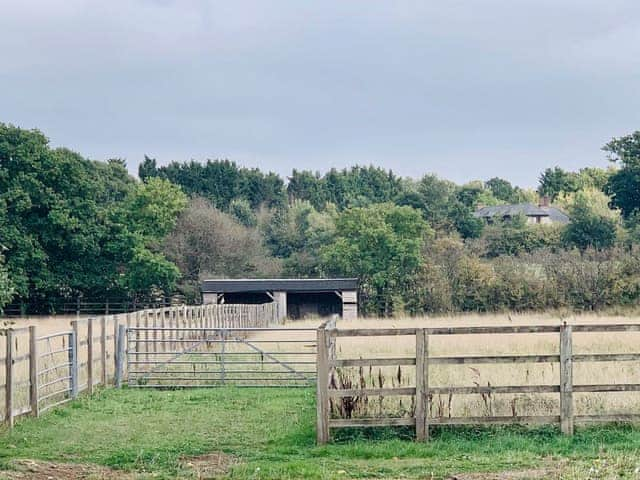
<point>423,360</point>
<point>44,371</point>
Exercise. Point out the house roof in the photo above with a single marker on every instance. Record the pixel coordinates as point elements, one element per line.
<point>527,209</point>
<point>279,284</point>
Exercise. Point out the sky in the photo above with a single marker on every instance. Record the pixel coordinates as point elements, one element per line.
<point>464,89</point>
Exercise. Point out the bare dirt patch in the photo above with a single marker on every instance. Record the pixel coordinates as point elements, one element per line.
<point>211,465</point>
<point>43,470</point>
<point>533,474</point>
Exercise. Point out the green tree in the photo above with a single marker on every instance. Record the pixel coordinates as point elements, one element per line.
<point>153,207</point>
<point>554,181</point>
<point>64,220</point>
<point>505,192</point>
<point>588,226</point>
<point>473,194</point>
<point>220,181</point>
<point>624,184</point>
<point>501,189</point>
<point>382,246</point>
<point>240,209</point>
<point>6,287</point>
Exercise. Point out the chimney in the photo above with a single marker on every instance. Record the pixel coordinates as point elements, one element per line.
<point>544,201</point>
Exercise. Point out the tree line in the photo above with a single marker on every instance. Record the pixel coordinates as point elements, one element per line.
<point>72,227</point>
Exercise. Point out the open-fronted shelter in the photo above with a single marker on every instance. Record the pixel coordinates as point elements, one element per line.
<point>296,298</point>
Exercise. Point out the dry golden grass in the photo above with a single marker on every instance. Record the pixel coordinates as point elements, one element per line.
<point>440,375</point>
<point>493,374</point>
<point>48,325</point>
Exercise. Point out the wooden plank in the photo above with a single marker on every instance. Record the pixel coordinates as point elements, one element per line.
<point>365,362</point>
<point>566,381</point>
<point>629,417</point>
<point>385,392</point>
<point>494,359</point>
<point>616,387</point>
<point>349,296</point>
<point>622,327</point>
<point>372,332</point>
<point>90,356</point>
<point>422,380</point>
<point>379,332</point>
<point>322,387</point>
<point>33,371</point>
<point>493,330</point>
<point>607,357</point>
<point>493,420</point>
<point>371,422</point>
<point>495,389</point>
<point>8,359</point>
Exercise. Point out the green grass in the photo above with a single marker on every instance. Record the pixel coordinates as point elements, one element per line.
<point>272,433</point>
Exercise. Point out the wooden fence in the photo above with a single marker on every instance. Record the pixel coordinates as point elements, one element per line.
<point>328,364</point>
<point>42,371</point>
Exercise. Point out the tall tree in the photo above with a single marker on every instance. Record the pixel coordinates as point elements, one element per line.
<point>220,181</point>
<point>6,287</point>
<point>554,181</point>
<point>382,246</point>
<point>209,242</point>
<point>624,184</point>
<point>592,224</point>
<point>63,219</point>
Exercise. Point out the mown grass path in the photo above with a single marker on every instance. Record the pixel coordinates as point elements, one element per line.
<point>271,432</point>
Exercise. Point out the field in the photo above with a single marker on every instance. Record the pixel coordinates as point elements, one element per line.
<point>469,375</point>
<point>270,433</point>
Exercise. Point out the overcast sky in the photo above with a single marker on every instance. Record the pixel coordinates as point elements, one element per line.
<point>465,89</point>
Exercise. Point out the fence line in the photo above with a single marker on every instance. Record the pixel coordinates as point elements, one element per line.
<point>327,391</point>
<point>44,371</point>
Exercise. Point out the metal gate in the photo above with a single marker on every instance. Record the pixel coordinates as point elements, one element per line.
<point>211,357</point>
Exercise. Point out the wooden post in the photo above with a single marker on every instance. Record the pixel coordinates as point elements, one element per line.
<point>137,336</point>
<point>156,324</point>
<point>322,394</point>
<point>116,322</point>
<point>146,337</point>
<point>33,371</point>
<point>73,358</point>
<point>422,382</point>
<point>90,356</point>
<point>122,333</point>
<point>103,350</point>
<point>9,379</point>
<point>566,380</point>
<point>163,336</point>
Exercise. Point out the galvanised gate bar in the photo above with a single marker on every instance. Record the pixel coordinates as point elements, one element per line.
<point>211,357</point>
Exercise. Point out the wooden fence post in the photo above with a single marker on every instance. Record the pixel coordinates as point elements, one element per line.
<point>122,340</point>
<point>103,350</point>
<point>422,383</point>
<point>9,379</point>
<point>73,358</point>
<point>566,380</point>
<point>90,356</point>
<point>116,322</point>
<point>322,386</point>
<point>33,371</point>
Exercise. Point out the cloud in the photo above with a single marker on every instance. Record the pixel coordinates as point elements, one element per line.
<point>463,88</point>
